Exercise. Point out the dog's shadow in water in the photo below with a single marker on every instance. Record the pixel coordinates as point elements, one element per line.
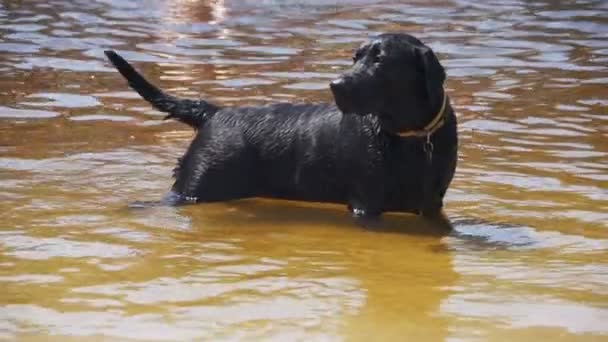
<point>281,213</point>
<point>463,232</point>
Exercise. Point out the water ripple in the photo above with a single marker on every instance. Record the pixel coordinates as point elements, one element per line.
<point>528,201</point>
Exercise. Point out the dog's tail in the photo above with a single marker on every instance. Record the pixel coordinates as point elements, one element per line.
<point>191,112</point>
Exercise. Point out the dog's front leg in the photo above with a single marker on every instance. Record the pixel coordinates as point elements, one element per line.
<point>366,205</point>
<point>358,210</point>
<point>363,217</point>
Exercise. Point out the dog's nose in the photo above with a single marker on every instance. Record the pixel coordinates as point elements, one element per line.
<point>340,88</point>
<point>337,85</point>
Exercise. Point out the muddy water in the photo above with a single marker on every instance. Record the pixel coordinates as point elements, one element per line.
<point>528,257</point>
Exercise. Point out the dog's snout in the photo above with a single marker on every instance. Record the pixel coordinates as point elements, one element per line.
<point>341,89</point>
<point>338,85</point>
<point>342,86</point>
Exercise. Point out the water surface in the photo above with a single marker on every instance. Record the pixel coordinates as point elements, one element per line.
<point>528,257</point>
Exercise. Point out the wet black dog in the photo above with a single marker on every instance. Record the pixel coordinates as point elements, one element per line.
<point>390,144</point>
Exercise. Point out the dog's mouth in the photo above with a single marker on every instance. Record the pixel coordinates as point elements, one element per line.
<point>344,105</point>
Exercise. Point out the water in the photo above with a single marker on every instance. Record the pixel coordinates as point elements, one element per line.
<point>528,257</point>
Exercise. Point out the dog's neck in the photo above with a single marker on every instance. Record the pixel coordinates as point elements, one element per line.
<point>436,122</point>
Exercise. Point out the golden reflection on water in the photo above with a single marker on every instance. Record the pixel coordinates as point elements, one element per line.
<point>528,255</point>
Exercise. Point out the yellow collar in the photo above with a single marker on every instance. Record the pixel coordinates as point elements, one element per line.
<point>432,127</point>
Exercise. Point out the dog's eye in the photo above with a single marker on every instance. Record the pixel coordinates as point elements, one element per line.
<point>377,59</point>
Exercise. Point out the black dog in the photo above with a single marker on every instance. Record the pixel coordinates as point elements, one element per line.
<point>389,145</point>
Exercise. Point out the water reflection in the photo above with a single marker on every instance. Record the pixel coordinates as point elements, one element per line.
<point>520,292</point>
<point>529,202</point>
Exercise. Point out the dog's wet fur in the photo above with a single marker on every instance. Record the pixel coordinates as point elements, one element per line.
<point>349,152</point>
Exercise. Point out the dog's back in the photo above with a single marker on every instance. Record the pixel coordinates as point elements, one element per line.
<point>293,151</point>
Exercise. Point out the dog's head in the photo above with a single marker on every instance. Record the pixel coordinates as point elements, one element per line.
<point>397,78</point>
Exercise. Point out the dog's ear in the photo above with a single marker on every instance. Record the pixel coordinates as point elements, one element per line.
<point>433,71</point>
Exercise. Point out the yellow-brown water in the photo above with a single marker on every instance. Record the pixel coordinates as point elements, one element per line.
<point>528,257</point>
